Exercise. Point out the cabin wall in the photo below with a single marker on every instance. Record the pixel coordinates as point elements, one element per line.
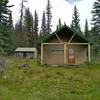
<point>54,54</point>
<point>80,53</point>
<point>28,55</point>
<point>57,54</point>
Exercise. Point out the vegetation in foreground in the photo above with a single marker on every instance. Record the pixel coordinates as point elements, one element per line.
<point>27,80</point>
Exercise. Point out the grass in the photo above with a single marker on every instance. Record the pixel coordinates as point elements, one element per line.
<point>43,82</point>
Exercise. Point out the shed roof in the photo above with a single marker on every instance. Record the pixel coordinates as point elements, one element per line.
<point>25,49</point>
<point>65,27</point>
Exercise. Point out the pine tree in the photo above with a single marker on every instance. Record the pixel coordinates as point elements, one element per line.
<point>35,28</point>
<point>75,25</point>
<point>4,12</point>
<point>86,30</point>
<point>20,34</point>
<point>22,14</point>
<point>96,21</point>
<point>10,24</point>
<point>49,17</point>
<point>28,27</point>
<point>11,36</point>
<point>59,24</point>
<point>6,28</point>
<point>43,32</point>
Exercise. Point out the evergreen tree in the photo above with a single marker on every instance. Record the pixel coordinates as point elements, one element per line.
<point>4,12</point>
<point>28,27</point>
<point>49,17</point>
<point>11,36</point>
<point>6,28</point>
<point>10,24</point>
<point>86,30</point>
<point>20,34</point>
<point>22,14</point>
<point>35,28</point>
<point>75,25</point>
<point>96,21</point>
<point>59,24</point>
<point>43,32</point>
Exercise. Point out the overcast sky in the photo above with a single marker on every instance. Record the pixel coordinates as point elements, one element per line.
<point>60,8</point>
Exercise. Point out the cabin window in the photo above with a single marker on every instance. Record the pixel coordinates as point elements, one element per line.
<point>57,50</point>
<point>71,50</point>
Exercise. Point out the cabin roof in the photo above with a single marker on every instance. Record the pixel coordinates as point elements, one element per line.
<point>25,49</point>
<point>65,27</point>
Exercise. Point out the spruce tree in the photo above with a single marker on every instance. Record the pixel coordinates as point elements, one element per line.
<point>35,28</point>
<point>75,25</point>
<point>28,27</point>
<point>49,17</point>
<point>22,14</point>
<point>6,28</point>
<point>59,23</point>
<point>43,32</point>
<point>11,36</point>
<point>20,34</point>
<point>86,30</point>
<point>96,21</point>
<point>4,12</point>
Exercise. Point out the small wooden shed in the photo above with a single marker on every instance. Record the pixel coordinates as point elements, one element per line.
<point>65,46</point>
<point>23,52</point>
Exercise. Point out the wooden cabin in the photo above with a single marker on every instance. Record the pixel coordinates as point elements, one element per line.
<point>23,52</point>
<point>64,46</point>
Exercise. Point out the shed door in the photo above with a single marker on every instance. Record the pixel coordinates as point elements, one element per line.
<point>71,56</point>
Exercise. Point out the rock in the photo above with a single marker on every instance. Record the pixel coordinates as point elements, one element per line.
<point>2,65</point>
<point>23,66</point>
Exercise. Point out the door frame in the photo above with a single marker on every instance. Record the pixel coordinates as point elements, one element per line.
<point>74,59</point>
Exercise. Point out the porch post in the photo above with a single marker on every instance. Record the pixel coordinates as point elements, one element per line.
<point>41,53</point>
<point>65,60</point>
<point>89,58</point>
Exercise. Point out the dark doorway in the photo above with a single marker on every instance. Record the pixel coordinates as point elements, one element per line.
<point>24,54</point>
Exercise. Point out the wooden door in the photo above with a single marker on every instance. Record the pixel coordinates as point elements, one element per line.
<point>71,56</point>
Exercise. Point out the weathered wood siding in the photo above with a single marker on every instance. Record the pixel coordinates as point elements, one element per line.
<point>58,58</point>
<point>53,54</point>
<point>80,53</point>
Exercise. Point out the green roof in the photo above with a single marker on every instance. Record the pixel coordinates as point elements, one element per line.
<point>62,28</point>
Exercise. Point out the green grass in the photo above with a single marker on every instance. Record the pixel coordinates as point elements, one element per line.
<point>43,82</point>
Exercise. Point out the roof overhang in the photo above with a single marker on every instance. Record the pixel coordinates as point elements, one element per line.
<point>63,29</point>
<point>24,49</point>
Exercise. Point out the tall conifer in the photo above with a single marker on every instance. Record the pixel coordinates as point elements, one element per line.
<point>35,28</point>
<point>75,25</point>
<point>49,17</point>
<point>96,21</point>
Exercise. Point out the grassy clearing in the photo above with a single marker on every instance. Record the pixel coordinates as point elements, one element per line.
<point>42,82</point>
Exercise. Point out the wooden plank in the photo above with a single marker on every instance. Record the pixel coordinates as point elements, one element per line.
<point>71,38</point>
<point>77,43</point>
<point>65,54</point>
<point>68,43</point>
<point>53,43</point>
<point>58,38</point>
<point>41,53</point>
<point>89,58</point>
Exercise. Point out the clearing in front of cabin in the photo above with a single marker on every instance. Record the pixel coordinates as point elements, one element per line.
<point>24,79</point>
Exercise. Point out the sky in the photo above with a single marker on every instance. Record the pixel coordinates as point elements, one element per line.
<point>60,9</point>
